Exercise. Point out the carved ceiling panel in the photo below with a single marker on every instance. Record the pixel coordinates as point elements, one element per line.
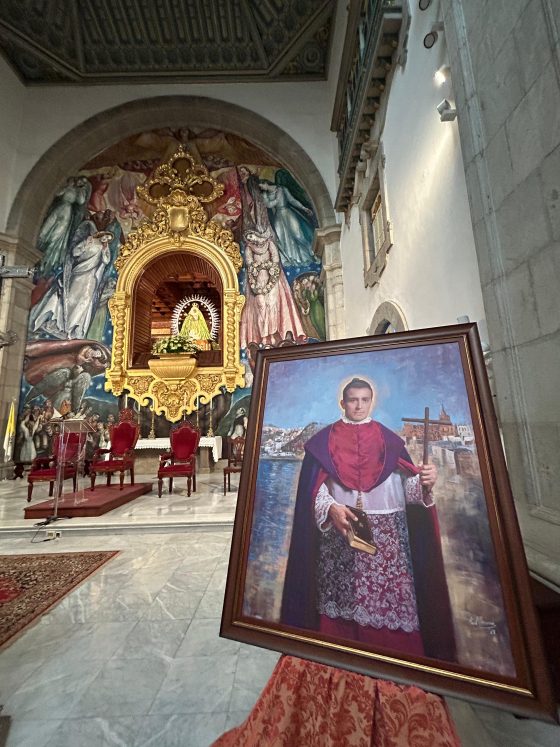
<point>98,41</point>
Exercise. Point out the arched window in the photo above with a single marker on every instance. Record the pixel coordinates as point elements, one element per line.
<point>387,319</point>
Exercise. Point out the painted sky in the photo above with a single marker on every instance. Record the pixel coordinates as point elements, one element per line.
<point>407,380</point>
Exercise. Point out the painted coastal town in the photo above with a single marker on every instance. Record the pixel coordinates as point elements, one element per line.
<point>449,443</point>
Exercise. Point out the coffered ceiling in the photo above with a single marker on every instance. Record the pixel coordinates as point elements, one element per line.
<point>84,42</point>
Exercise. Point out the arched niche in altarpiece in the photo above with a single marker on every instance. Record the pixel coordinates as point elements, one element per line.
<point>175,254</point>
<point>162,297</point>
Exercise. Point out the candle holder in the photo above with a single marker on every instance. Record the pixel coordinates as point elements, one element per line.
<point>210,433</point>
<point>152,433</point>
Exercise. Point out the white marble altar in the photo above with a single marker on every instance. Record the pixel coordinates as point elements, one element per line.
<point>206,442</point>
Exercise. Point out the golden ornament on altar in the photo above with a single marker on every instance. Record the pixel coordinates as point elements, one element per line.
<point>172,366</point>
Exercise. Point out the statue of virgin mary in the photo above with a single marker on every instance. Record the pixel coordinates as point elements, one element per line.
<point>194,325</point>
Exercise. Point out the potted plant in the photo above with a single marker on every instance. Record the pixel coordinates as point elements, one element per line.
<point>176,357</point>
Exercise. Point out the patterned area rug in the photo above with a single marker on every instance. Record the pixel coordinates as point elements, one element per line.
<point>31,584</point>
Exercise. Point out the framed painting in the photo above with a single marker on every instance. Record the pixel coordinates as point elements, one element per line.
<point>375,526</point>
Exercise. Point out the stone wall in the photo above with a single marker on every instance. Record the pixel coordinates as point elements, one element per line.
<point>505,61</point>
<point>14,311</point>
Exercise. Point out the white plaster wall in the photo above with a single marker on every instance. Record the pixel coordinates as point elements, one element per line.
<point>357,301</point>
<point>44,115</point>
<point>432,270</point>
<point>12,96</point>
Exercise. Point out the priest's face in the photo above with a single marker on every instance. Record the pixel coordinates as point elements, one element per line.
<point>357,403</point>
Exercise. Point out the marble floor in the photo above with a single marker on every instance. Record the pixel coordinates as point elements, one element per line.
<point>133,656</point>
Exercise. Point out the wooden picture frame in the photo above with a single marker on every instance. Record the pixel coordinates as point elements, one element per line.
<point>445,602</point>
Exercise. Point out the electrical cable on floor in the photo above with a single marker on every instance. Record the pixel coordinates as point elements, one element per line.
<point>45,539</point>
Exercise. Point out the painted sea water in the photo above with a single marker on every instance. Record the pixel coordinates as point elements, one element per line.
<point>270,538</point>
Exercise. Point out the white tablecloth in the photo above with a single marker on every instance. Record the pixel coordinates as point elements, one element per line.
<point>214,443</point>
<point>152,443</point>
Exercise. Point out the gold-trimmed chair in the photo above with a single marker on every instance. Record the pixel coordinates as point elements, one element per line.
<point>123,436</point>
<point>180,461</point>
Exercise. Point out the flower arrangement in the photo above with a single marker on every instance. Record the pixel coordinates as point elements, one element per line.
<point>176,344</point>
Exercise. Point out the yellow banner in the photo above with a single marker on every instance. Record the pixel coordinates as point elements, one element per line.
<point>10,434</point>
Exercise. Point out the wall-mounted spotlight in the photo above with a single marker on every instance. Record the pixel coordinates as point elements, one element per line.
<point>433,34</point>
<point>446,112</point>
<point>424,4</point>
<point>441,75</point>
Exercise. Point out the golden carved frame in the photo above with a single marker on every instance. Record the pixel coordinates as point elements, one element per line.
<point>179,224</point>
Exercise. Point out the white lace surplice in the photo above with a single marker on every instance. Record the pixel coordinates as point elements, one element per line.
<point>374,590</point>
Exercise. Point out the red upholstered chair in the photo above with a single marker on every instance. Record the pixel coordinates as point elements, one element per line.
<point>236,449</point>
<point>123,436</point>
<point>43,469</point>
<point>180,461</point>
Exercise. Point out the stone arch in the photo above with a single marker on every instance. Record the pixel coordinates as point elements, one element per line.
<point>110,126</point>
<point>388,318</point>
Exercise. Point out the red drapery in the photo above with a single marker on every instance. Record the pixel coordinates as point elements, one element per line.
<point>314,705</point>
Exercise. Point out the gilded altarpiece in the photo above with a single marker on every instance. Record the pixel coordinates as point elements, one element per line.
<point>179,225</point>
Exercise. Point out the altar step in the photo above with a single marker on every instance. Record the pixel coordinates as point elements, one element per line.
<point>89,502</point>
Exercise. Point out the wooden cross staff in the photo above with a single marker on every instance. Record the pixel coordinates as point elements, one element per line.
<point>427,422</point>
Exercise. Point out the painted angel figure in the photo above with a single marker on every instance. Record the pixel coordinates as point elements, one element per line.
<point>62,370</point>
<point>64,216</point>
<point>67,308</point>
<point>291,217</point>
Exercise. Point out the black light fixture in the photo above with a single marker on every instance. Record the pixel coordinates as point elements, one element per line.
<point>433,34</point>
<point>430,39</point>
<point>424,4</point>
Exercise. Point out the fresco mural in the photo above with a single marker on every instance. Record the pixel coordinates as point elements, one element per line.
<point>70,331</point>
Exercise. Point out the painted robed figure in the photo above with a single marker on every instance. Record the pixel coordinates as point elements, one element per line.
<point>397,598</point>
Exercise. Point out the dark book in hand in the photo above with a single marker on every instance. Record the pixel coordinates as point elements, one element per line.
<point>359,535</point>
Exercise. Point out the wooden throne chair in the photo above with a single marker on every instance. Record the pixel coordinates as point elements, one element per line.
<point>180,461</point>
<point>123,436</point>
<point>236,449</point>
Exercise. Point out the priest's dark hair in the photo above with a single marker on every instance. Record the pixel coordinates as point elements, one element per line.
<point>356,383</point>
